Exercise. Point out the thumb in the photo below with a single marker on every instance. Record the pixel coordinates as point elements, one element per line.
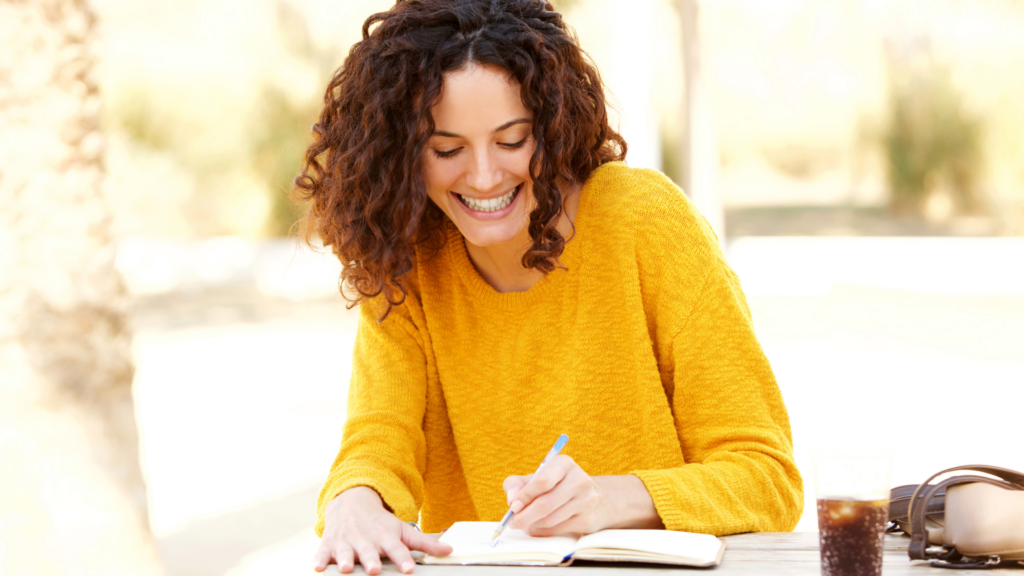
<point>416,540</point>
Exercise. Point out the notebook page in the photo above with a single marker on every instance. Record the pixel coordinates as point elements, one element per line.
<point>472,538</point>
<point>700,547</point>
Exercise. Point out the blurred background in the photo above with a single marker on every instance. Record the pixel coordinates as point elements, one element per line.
<point>174,364</point>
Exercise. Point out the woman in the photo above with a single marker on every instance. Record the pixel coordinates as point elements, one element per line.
<point>517,281</point>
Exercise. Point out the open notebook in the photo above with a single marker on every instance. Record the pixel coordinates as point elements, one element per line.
<point>471,543</point>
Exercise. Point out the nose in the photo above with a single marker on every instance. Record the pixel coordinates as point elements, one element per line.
<point>484,173</point>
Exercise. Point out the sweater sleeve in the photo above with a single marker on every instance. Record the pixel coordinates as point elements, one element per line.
<point>383,445</point>
<point>739,475</point>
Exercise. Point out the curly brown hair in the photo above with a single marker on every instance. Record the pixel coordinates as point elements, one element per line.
<point>363,173</point>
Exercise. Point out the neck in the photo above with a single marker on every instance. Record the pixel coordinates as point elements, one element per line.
<point>501,265</point>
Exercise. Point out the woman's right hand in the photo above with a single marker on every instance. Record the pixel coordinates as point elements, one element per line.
<point>357,526</point>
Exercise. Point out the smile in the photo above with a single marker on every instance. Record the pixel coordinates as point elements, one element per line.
<point>490,204</point>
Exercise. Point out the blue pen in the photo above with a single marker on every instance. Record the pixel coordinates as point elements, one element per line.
<point>559,444</point>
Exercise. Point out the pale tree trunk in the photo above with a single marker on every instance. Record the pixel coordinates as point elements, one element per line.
<point>700,142</point>
<point>632,80</point>
<point>72,497</point>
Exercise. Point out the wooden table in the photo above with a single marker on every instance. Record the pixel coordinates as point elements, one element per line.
<point>766,554</point>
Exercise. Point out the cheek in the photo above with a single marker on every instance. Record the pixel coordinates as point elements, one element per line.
<point>436,178</point>
<point>528,195</point>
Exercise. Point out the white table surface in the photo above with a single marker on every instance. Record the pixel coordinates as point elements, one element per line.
<point>765,553</point>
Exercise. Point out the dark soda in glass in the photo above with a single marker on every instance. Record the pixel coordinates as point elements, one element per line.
<point>851,534</point>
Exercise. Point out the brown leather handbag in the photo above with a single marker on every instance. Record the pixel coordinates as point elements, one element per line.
<point>979,524</point>
<point>899,516</point>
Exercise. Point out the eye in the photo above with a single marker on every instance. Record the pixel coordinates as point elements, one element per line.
<point>446,153</point>
<point>515,145</point>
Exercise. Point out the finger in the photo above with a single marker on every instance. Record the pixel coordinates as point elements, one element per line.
<point>535,514</point>
<point>399,554</point>
<point>416,540</point>
<point>571,525</point>
<point>322,557</point>
<point>557,517</point>
<point>512,485</point>
<point>543,482</point>
<point>369,557</point>
<point>343,557</point>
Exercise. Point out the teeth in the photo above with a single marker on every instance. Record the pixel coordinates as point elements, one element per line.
<point>490,205</point>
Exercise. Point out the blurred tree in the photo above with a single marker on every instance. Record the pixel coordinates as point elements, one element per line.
<point>930,140</point>
<point>285,121</point>
<point>72,496</point>
<point>277,151</point>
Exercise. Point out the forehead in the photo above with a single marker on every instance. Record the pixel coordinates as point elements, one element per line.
<point>477,99</point>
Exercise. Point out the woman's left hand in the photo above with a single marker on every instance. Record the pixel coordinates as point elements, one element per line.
<point>562,498</point>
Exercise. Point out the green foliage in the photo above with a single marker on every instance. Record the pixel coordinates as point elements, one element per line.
<point>283,136</point>
<point>800,160</point>
<point>671,157</point>
<point>930,139</point>
<point>138,117</point>
<point>285,123</point>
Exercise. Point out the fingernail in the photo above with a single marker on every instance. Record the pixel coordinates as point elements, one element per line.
<point>407,567</point>
<point>517,506</point>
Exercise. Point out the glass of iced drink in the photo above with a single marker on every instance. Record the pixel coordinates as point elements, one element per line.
<point>852,489</point>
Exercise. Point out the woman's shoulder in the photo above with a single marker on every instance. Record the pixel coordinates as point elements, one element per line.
<point>646,226</point>
<point>649,208</point>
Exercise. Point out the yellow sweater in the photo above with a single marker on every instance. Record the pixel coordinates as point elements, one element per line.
<point>642,351</point>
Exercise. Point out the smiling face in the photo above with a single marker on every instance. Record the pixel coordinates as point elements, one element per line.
<point>477,165</point>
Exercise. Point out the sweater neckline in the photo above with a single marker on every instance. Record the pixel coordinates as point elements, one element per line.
<point>572,259</point>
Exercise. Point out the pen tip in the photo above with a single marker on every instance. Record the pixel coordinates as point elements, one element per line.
<point>496,534</point>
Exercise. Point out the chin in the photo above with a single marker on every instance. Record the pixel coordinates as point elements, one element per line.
<point>491,235</point>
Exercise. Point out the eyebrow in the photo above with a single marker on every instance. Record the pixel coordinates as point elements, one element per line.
<point>501,128</point>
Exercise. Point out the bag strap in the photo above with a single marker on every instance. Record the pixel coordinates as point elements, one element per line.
<point>899,503</point>
<point>918,505</point>
<point>1010,476</point>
